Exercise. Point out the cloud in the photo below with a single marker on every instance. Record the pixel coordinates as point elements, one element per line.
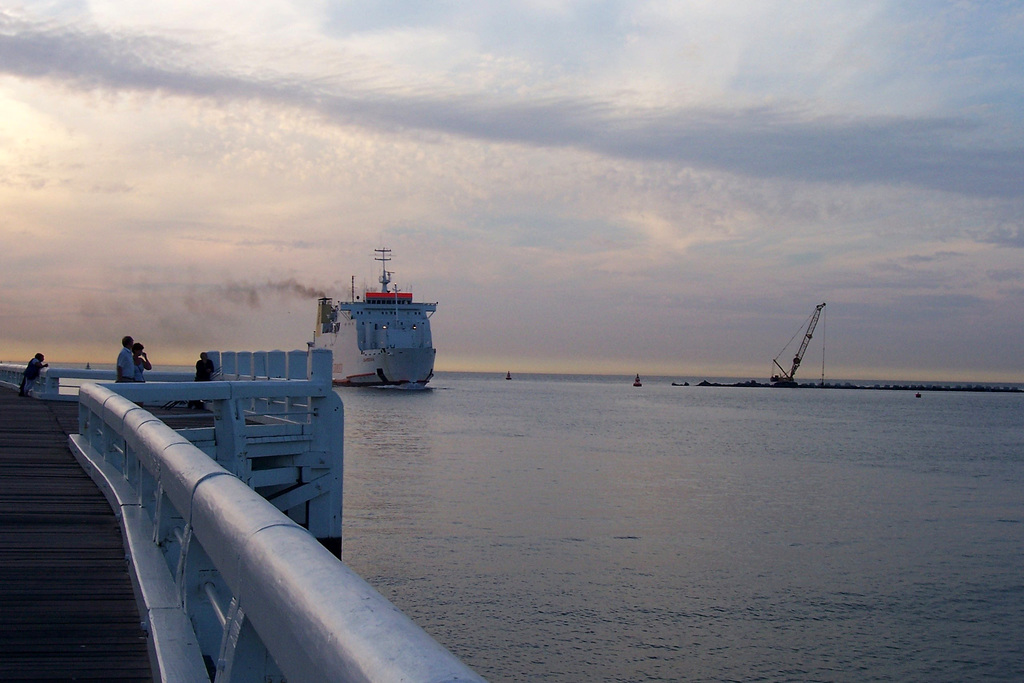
<point>672,183</point>
<point>1007,236</point>
<point>767,142</point>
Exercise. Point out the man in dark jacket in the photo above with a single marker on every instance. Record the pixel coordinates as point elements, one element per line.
<point>31,374</point>
<point>204,368</point>
<point>204,373</point>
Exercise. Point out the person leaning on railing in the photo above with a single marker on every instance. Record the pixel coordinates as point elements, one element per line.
<point>35,366</point>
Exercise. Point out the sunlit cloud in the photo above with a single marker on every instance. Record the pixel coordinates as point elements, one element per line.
<point>577,186</point>
<point>764,142</point>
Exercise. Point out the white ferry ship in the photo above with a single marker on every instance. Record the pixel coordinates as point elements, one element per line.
<point>382,340</point>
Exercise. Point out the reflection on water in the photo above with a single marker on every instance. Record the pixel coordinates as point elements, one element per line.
<point>583,529</point>
<point>384,422</point>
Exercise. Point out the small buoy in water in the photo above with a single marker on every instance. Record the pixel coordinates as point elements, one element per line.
<point>917,395</point>
<point>508,375</point>
<point>636,382</point>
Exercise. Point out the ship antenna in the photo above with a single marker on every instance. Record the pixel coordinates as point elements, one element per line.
<point>385,278</point>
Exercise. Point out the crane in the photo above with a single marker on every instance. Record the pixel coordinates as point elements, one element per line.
<point>785,379</point>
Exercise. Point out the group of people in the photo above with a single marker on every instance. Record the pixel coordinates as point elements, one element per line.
<point>132,361</point>
<point>132,364</point>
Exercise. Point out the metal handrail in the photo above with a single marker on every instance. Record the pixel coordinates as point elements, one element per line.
<point>200,538</point>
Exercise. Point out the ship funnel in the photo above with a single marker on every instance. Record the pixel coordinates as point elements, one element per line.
<point>323,310</point>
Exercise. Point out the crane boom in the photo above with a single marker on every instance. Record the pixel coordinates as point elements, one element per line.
<point>786,378</point>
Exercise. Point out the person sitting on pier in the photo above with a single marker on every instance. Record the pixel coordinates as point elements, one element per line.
<point>125,361</point>
<point>31,373</point>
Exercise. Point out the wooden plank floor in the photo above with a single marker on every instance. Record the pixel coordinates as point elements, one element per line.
<point>67,609</point>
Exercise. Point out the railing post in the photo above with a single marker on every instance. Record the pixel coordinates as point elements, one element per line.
<point>259,365</point>
<point>298,362</point>
<point>320,367</point>
<point>86,425</point>
<point>215,357</point>
<point>149,489</point>
<point>47,386</point>
<point>244,360</point>
<point>228,367</point>
<point>296,367</point>
<point>329,420</point>
<point>243,656</point>
<point>195,570</point>
<point>111,452</point>
<point>277,364</point>
<point>229,432</point>
<point>133,473</point>
<point>167,525</point>
<point>325,509</point>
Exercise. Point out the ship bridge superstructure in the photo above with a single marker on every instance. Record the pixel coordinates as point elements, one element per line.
<point>383,320</point>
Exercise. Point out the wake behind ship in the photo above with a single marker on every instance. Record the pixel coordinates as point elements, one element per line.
<point>379,341</point>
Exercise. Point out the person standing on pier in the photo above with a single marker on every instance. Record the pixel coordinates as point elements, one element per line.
<point>204,368</point>
<point>204,373</point>
<point>140,361</point>
<point>35,366</point>
<point>125,361</point>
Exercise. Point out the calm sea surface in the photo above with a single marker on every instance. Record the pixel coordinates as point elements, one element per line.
<point>581,529</point>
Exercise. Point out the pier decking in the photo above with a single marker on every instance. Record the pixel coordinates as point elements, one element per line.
<point>224,551</point>
<point>67,607</point>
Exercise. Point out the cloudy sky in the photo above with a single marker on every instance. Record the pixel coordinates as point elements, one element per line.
<point>663,187</point>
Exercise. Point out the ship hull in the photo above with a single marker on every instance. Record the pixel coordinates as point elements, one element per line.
<point>408,368</point>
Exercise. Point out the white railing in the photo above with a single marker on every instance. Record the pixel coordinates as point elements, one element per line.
<point>63,384</point>
<point>232,586</point>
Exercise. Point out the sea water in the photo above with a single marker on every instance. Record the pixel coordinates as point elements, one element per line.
<point>582,529</point>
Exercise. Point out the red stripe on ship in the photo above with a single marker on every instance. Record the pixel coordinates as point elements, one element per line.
<point>389,296</point>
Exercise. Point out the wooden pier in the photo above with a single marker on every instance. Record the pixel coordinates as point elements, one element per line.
<point>67,607</point>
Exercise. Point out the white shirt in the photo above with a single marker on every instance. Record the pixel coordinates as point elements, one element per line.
<point>126,362</point>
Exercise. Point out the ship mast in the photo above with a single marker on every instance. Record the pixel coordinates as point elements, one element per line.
<point>385,278</point>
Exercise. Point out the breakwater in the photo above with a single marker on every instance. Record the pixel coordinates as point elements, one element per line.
<point>985,388</point>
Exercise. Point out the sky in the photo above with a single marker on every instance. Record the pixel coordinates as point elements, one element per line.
<point>663,187</point>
